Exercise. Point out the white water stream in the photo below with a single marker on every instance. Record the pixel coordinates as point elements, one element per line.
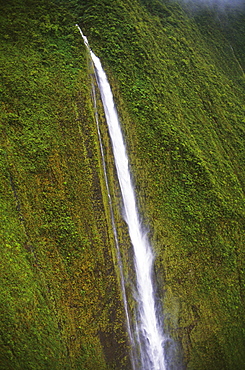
<point>119,258</point>
<point>148,335</point>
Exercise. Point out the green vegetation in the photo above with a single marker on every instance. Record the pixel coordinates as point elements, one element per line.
<point>59,292</point>
<point>178,80</point>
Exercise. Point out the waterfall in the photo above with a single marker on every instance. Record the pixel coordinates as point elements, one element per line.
<point>148,335</point>
<point>119,258</point>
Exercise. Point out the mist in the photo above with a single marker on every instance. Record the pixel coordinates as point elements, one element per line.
<point>216,4</point>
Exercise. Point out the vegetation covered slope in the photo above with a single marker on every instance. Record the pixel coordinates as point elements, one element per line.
<point>181,98</point>
<point>59,293</point>
<point>179,85</point>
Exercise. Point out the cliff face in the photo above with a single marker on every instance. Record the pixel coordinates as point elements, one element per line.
<point>60,295</point>
<point>178,82</point>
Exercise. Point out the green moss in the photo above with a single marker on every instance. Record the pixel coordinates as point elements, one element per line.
<point>60,302</point>
<point>180,94</point>
<point>182,111</point>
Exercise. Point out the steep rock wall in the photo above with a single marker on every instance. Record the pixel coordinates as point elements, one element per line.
<point>180,96</point>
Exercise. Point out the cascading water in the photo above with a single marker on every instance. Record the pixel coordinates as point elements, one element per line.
<point>119,258</point>
<point>150,340</point>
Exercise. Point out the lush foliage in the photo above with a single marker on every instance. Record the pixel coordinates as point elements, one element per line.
<point>178,80</point>
<point>179,85</point>
<point>59,293</point>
